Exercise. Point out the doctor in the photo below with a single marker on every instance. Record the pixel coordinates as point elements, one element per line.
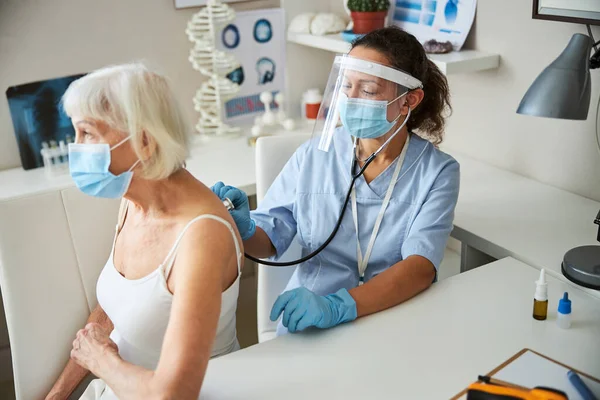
<point>391,101</point>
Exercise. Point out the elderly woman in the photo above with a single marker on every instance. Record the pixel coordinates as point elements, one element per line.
<point>169,289</point>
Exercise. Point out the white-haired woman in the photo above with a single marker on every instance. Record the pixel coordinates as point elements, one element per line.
<point>170,285</point>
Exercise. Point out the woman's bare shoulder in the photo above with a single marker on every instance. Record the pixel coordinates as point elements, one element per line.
<point>209,239</point>
<point>200,200</point>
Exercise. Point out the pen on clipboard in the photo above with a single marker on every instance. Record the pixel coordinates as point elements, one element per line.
<point>580,386</point>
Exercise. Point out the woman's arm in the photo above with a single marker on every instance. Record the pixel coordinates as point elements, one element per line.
<point>205,252</point>
<point>259,245</point>
<point>73,374</point>
<point>302,308</point>
<point>422,250</point>
<point>393,286</point>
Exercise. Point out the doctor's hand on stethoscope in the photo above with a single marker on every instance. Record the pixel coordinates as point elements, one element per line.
<point>302,309</point>
<point>241,208</point>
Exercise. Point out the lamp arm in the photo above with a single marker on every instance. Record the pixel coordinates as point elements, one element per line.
<point>595,60</point>
<point>597,222</point>
<point>589,29</point>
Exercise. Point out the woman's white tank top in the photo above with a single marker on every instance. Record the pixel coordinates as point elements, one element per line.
<point>140,308</point>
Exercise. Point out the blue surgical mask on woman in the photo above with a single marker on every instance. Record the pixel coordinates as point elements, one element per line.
<point>365,118</point>
<point>89,164</point>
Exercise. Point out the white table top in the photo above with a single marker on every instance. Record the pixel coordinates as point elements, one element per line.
<point>504,214</point>
<point>430,347</point>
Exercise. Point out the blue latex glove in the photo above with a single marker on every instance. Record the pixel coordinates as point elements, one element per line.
<point>241,212</point>
<point>302,308</point>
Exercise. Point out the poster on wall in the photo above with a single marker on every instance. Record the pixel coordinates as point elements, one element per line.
<point>38,118</point>
<point>199,3</point>
<point>442,20</point>
<point>257,40</point>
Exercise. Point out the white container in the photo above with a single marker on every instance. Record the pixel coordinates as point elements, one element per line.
<point>64,151</point>
<point>563,316</point>
<point>55,158</point>
<point>563,320</point>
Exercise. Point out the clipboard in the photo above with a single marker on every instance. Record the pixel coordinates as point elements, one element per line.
<point>509,371</point>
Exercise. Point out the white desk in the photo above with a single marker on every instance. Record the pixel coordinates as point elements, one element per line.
<point>430,347</point>
<point>507,215</point>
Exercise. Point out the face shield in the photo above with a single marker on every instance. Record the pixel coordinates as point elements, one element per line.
<point>362,99</point>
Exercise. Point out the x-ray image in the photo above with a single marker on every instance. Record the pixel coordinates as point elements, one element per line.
<point>236,76</point>
<point>263,32</point>
<point>265,67</point>
<point>231,36</point>
<point>38,118</point>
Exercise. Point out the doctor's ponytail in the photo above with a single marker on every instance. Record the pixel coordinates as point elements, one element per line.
<point>404,52</point>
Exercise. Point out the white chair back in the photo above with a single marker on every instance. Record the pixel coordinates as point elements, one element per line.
<point>272,153</point>
<point>52,248</point>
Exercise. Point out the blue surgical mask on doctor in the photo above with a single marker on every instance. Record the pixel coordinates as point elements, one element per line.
<point>89,166</point>
<point>365,118</point>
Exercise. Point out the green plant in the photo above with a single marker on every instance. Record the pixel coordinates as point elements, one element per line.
<point>368,5</point>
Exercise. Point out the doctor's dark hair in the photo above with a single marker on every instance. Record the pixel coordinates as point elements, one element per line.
<point>404,52</point>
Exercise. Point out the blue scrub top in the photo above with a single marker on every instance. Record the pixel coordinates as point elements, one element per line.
<point>307,196</point>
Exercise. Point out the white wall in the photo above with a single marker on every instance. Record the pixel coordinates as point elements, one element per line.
<point>485,124</point>
<point>41,39</point>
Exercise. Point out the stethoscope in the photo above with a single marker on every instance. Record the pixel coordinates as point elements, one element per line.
<point>229,204</point>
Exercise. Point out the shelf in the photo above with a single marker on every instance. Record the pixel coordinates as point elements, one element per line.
<point>450,63</point>
<point>332,42</point>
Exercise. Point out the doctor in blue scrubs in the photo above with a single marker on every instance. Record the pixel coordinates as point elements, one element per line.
<point>384,98</point>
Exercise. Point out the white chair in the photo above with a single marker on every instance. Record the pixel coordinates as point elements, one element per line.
<point>52,248</point>
<point>271,155</point>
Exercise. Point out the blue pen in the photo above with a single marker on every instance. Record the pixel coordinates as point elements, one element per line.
<point>581,387</point>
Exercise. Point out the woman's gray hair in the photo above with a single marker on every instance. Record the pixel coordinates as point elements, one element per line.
<point>132,99</point>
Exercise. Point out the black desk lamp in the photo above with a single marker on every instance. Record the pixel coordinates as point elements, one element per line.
<point>563,90</point>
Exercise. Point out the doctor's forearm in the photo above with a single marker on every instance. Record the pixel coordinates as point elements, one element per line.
<point>393,286</point>
<point>259,245</point>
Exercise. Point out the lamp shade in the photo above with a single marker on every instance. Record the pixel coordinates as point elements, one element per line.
<point>563,89</point>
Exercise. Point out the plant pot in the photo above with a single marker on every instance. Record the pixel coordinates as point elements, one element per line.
<point>365,22</point>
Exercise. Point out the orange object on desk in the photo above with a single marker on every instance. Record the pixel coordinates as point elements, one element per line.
<point>485,391</point>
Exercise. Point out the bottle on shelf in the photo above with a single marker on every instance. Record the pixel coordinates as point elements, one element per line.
<point>55,157</point>
<point>311,102</point>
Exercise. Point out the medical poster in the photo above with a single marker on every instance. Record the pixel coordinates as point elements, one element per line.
<point>442,20</point>
<point>257,40</point>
